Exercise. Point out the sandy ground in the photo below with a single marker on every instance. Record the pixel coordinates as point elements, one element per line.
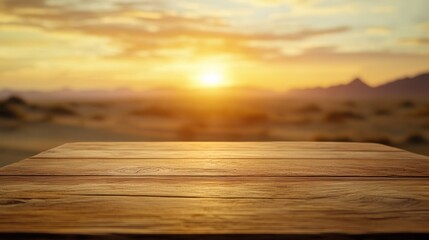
<point>27,127</point>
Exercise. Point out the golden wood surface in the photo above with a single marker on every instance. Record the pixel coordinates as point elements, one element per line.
<point>273,190</point>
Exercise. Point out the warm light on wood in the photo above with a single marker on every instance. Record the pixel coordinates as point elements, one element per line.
<point>224,190</point>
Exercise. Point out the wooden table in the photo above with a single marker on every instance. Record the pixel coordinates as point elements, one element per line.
<point>222,190</point>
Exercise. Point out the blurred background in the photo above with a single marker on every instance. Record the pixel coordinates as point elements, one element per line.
<point>212,70</point>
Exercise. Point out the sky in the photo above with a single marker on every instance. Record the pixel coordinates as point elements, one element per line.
<point>270,44</point>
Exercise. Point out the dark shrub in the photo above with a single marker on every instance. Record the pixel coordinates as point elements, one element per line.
<point>15,100</point>
<point>9,112</point>
<point>62,111</point>
<point>416,139</point>
<point>154,112</point>
<point>342,116</point>
<point>312,108</point>
<point>407,104</point>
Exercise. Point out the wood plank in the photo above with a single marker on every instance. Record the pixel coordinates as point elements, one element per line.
<point>220,167</point>
<point>328,236</point>
<point>338,188</point>
<point>265,236</point>
<point>214,206</point>
<point>230,146</point>
<point>284,150</point>
<point>132,215</point>
<point>177,190</point>
<point>201,154</point>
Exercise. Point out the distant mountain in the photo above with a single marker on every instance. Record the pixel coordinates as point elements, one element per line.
<point>414,87</point>
<point>354,89</point>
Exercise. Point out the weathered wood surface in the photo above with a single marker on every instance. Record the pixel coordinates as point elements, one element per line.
<point>274,190</point>
<point>205,150</point>
<point>221,167</point>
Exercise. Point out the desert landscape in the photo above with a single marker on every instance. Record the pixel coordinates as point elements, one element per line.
<point>214,119</point>
<point>224,70</point>
<point>33,122</point>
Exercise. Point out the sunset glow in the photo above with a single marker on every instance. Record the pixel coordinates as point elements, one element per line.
<point>211,76</point>
<point>271,44</point>
<point>211,79</point>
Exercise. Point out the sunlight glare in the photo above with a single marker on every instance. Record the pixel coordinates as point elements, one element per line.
<point>212,78</point>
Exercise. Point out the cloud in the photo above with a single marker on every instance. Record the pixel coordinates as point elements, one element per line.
<point>144,32</point>
<point>382,9</point>
<point>379,30</point>
<point>423,41</point>
<point>14,44</point>
<point>424,26</point>
<point>125,36</point>
<point>341,9</point>
<point>280,2</point>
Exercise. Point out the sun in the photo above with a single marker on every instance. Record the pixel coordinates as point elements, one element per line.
<point>211,79</point>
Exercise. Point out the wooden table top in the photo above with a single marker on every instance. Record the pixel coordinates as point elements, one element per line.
<point>217,190</point>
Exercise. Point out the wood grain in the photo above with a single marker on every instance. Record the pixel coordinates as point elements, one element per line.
<point>328,188</point>
<point>208,205</point>
<point>228,146</point>
<point>216,190</point>
<point>201,154</point>
<point>205,150</point>
<point>221,167</point>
